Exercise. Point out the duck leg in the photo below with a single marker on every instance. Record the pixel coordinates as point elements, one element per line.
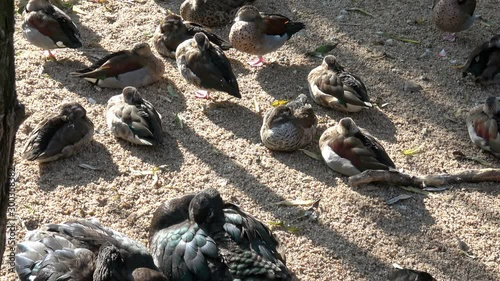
<point>49,55</point>
<point>259,61</point>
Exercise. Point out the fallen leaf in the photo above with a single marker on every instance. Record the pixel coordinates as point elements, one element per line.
<point>256,105</point>
<point>360,11</point>
<point>171,91</point>
<point>311,154</point>
<point>414,190</point>
<point>321,50</point>
<point>88,167</point>
<point>297,202</point>
<point>460,156</point>
<point>78,10</point>
<point>283,225</point>
<point>398,198</point>
<point>180,119</point>
<point>278,103</point>
<point>413,151</point>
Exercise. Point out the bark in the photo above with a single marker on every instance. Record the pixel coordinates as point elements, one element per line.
<point>11,115</point>
<point>397,178</point>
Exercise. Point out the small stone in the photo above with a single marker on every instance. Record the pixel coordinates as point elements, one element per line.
<point>424,78</point>
<point>92,101</point>
<point>389,42</point>
<point>411,86</point>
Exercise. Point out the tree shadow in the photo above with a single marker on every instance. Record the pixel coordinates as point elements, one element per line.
<point>54,174</point>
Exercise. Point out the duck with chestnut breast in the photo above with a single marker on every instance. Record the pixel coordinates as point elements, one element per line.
<point>211,13</point>
<point>47,27</point>
<point>201,237</point>
<point>350,150</point>
<point>137,67</point>
<point>59,135</point>
<point>205,66</point>
<point>173,31</point>
<point>483,123</point>
<point>259,34</point>
<point>290,126</point>
<point>484,62</point>
<point>453,16</point>
<point>330,85</point>
<point>133,118</point>
<point>83,250</point>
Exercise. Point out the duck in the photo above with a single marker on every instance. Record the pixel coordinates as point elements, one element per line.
<point>330,85</point>
<point>137,67</point>
<point>484,62</point>
<point>173,31</point>
<point>259,34</point>
<point>211,13</point>
<point>47,27</point>
<point>350,150</point>
<point>290,126</point>
<point>201,237</point>
<point>83,250</point>
<point>404,274</point>
<point>483,123</point>
<point>453,16</point>
<point>59,135</point>
<point>134,119</point>
<point>205,66</point>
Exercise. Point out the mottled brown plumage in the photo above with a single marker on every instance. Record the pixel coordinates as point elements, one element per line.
<point>204,65</point>
<point>331,86</point>
<point>350,150</point>
<point>484,62</point>
<point>453,15</point>
<point>137,67</point>
<point>59,135</point>
<point>211,13</point>
<point>173,31</point>
<point>289,127</point>
<point>483,123</point>
<point>259,34</point>
<point>133,118</point>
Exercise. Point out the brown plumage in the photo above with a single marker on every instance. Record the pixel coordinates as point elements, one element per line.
<point>349,150</point>
<point>173,31</point>
<point>484,62</point>
<point>483,123</point>
<point>331,86</point>
<point>289,127</point>
<point>204,65</point>
<point>453,15</point>
<point>259,34</point>
<point>137,67</point>
<point>59,135</point>
<point>211,13</point>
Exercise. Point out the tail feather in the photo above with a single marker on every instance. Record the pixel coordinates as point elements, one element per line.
<point>294,27</point>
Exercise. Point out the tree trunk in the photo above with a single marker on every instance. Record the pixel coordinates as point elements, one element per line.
<point>11,116</point>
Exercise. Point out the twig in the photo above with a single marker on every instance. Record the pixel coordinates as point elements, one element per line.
<point>398,178</point>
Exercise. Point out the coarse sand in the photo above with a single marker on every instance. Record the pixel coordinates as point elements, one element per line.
<point>357,235</point>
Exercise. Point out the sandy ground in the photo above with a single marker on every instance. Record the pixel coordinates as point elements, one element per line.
<point>357,236</point>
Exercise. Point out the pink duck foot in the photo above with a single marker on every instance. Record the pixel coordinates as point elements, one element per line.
<point>49,55</point>
<point>257,62</point>
<point>202,94</point>
<point>450,37</point>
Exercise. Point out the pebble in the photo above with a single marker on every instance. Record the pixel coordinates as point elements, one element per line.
<point>411,86</point>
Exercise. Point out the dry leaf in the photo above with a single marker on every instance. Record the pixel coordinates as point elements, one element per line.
<point>256,105</point>
<point>413,151</point>
<point>398,198</point>
<point>171,91</point>
<point>180,119</point>
<point>78,10</point>
<point>278,103</point>
<point>297,202</point>
<point>311,154</point>
<point>88,167</point>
